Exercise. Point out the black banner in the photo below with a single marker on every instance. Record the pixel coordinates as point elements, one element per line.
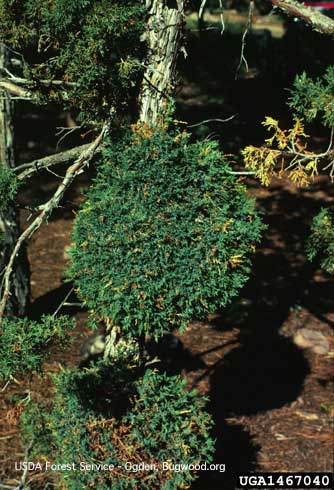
<point>285,480</point>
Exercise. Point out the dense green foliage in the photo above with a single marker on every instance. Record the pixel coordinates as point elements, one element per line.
<point>165,233</point>
<point>23,343</point>
<point>314,98</point>
<point>94,47</point>
<point>161,421</point>
<point>8,187</point>
<point>321,242</point>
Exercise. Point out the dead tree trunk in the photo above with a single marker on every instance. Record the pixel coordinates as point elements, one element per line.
<point>164,37</point>
<point>9,221</point>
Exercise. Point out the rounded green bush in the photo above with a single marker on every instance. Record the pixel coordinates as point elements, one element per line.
<point>165,234</point>
<point>162,422</point>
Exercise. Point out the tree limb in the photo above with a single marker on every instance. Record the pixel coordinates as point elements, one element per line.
<point>27,170</point>
<point>201,9</point>
<point>19,87</point>
<point>318,21</point>
<point>17,91</point>
<point>206,121</point>
<point>243,40</point>
<point>75,169</point>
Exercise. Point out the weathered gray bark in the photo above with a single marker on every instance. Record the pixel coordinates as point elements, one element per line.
<point>9,221</point>
<point>164,37</point>
<point>318,21</point>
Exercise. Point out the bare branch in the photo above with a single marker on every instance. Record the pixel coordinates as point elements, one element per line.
<point>24,92</point>
<point>16,90</point>
<point>29,83</point>
<point>210,28</point>
<point>63,302</point>
<point>63,133</point>
<point>243,40</point>
<point>206,121</point>
<point>318,21</point>
<point>25,471</point>
<point>23,484</point>
<point>201,9</point>
<point>242,172</point>
<point>201,12</point>
<point>75,169</point>
<point>27,170</point>
<point>222,16</point>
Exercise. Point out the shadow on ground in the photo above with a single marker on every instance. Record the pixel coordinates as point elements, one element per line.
<point>265,370</point>
<point>51,302</point>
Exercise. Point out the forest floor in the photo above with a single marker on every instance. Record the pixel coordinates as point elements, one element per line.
<point>272,402</point>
